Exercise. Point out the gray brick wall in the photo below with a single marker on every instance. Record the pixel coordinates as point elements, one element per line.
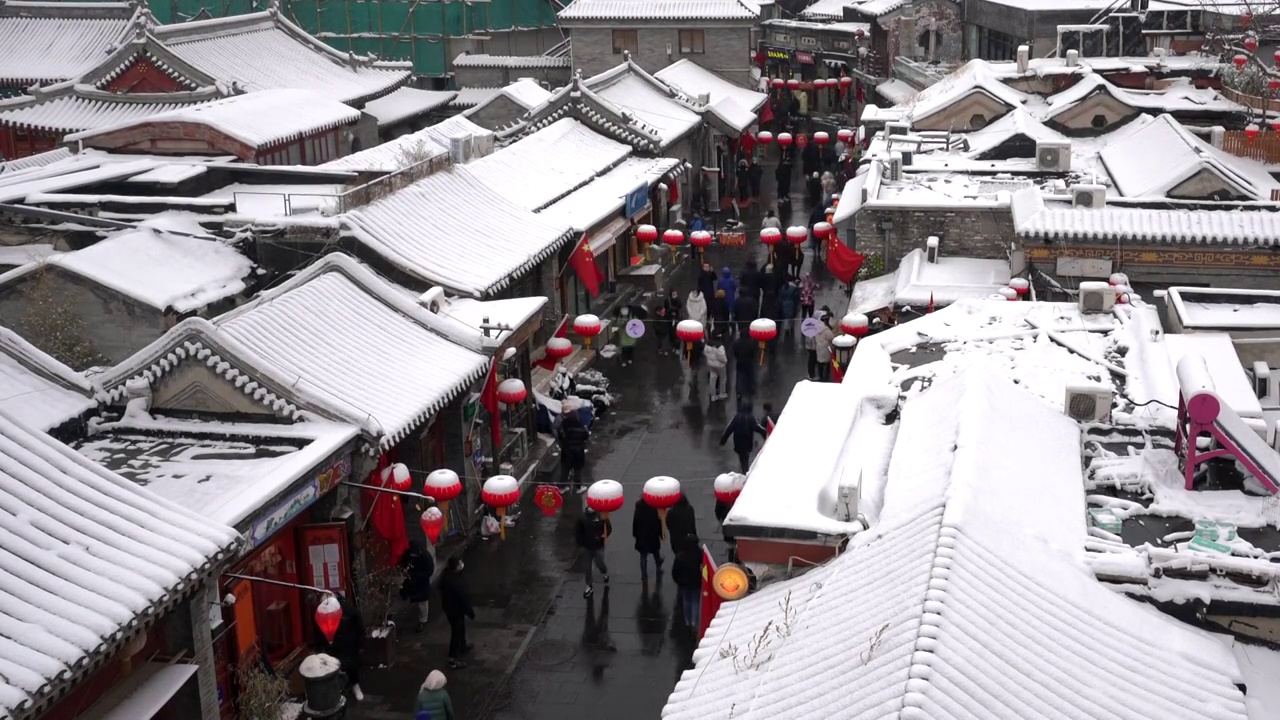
<point>498,77</point>
<point>727,49</point>
<point>983,233</point>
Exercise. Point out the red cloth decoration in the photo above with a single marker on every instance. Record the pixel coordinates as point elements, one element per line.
<point>766,115</point>
<point>583,262</point>
<point>861,95</point>
<point>562,330</point>
<point>843,261</point>
<point>489,399</point>
<point>673,196</point>
<point>386,515</point>
<point>930,308</point>
<point>747,142</point>
<point>710,599</point>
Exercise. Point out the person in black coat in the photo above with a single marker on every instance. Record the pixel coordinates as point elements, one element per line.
<point>573,436</point>
<point>681,524</point>
<point>813,183</point>
<point>744,365</point>
<point>348,639</point>
<point>749,281</point>
<point>646,528</point>
<point>707,281</point>
<point>718,309</point>
<point>744,311</point>
<point>811,158</point>
<point>457,608</point>
<point>419,566</point>
<point>755,174</point>
<point>743,428</point>
<point>783,176</point>
<point>686,570</point>
<point>592,533</point>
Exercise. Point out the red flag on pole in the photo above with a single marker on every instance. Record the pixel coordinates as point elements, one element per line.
<point>710,599</point>
<point>843,261</point>
<point>489,399</point>
<point>930,303</point>
<point>583,262</point>
<point>767,113</point>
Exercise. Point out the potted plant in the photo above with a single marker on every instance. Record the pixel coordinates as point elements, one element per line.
<point>380,585</point>
<point>261,695</point>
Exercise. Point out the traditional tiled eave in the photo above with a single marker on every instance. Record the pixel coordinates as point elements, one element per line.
<point>580,102</point>
<point>24,112</point>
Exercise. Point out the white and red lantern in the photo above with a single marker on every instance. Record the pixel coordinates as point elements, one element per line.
<point>764,137</point>
<point>728,487</point>
<point>821,138</point>
<point>673,237</point>
<point>397,477</point>
<point>700,238</point>
<point>432,522</point>
<point>442,486</point>
<point>1246,17</point>
<point>785,140</point>
<point>689,332</point>
<point>661,493</point>
<point>512,391</point>
<point>1251,132</point>
<point>647,234</point>
<point>1251,43</point>
<point>1008,293</point>
<point>1118,278</point>
<point>329,616</point>
<point>588,326</point>
<point>846,82</point>
<point>823,230</point>
<point>1022,286</point>
<point>605,496</point>
<point>845,135</point>
<point>1239,60</point>
<point>797,234</point>
<point>777,83</point>
<point>763,331</point>
<point>559,348</point>
<point>1123,293</point>
<point>855,324</point>
<point>770,236</point>
<point>793,84</point>
<point>500,492</point>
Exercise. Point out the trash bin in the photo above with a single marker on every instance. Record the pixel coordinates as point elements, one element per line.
<point>324,682</point>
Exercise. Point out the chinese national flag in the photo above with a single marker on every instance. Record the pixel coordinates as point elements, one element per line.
<point>489,399</point>
<point>766,115</point>
<point>930,303</point>
<point>710,599</point>
<point>583,262</point>
<point>843,261</point>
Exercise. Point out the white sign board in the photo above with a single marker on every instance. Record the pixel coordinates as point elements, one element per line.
<point>1084,267</point>
<point>635,328</point>
<point>810,327</point>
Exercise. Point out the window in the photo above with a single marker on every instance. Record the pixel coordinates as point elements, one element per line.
<point>1098,122</point>
<point>625,41</point>
<point>692,42</point>
<point>977,121</point>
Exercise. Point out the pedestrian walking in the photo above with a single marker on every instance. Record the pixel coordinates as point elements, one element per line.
<point>810,159</point>
<point>682,524</point>
<point>744,181</point>
<point>744,366</point>
<point>744,311</point>
<point>822,348</point>
<point>419,566</point>
<point>749,281</point>
<point>771,221</point>
<point>755,174</point>
<point>719,311</point>
<point>717,368</point>
<point>646,528</point>
<point>626,343</point>
<point>728,286</point>
<point>769,293</point>
<point>829,188</point>
<point>707,280</point>
<point>743,428</point>
<point>686,571</point>
<point>808,286</point>
<point>456,604</point>
<point>695,307</point>
<point>348,640</point>
<point>813,186</point>
<point>573,436</point>
<point>788,303</point>
<point>434,699</point>
<point>593,532</point>
<point>783,176</point>
<point>668,314</point>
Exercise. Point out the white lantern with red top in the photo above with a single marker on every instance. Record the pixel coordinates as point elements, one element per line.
<point>777,83</point>
<point>823,230</point>
<point>728,486</point>
<point>646,234</point>
<point>763,331</point>
<point>764,137</point>
<point>673,237</point>
<point>821,138</point>
<point>397,477</point>
<point>329,616</point>
<point>785,140</point>
<point>605,496</point>
<point>1118,279</point>
<point>689,332</point>
<point>442,486</point>
<point>1007,293</point>
<point>700,239</point>
<point>793,84</point>
<point>559,348</point>
<point>846,82</point>
<point>797,234</point>
<point>432,522</point>
<point>855,324</point>
<point>1022,286</point>
<point>512,391</point>
<point>844,135</point>
<point>661,493</point>
<point>500,492</point>
<point>588,326</point>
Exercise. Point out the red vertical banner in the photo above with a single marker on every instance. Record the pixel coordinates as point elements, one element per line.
<point>710,599</point>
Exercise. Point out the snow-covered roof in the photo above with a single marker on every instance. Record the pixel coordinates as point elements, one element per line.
<point>1018,123</point>
<point>948,280</point>
<point>547,165</point>
<point>660,10</point>
<point>36,389</point>
<point>736,106</point>
<point>505,237</point>
<point>514,62</point>
<point>934,613</point>
<point>257,119</point>
<point>322,324</point>
<point>525,93</point>
<point>605,196</point>
<point>225,472</point>
<point>1176,97</point>
<point>471,96</point>
<point>897,91</point>
<point>1153,161</point>
<point>512,312</point>
<point>265,51</point>
<point>167,262</point>
<point>827,9</point>
<point>1034,217</point>
<point>631,89</point>
<point>973,76</point>
<point>82,107</point>
<point>414,147</point>
<point>90,561</point>
<point>406,102</point>
<point>1206,308</point>
<point>14,255</point>
<point>46,42</point>
<point>876,8</point>
<point>35,161</point>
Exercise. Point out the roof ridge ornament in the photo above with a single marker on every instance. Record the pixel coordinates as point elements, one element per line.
<point>273,7</point>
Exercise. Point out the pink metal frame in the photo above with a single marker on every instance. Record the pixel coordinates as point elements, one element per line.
<point>1196,416</point>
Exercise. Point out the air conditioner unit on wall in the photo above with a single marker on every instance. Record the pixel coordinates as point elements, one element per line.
<point>1053,156</point>
<point>1096,297</point>
<point>1088,196</point>
<point>460,150</point>
<point>1088,403</point>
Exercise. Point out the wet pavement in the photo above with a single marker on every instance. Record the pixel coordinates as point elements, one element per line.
<point>542,651</point>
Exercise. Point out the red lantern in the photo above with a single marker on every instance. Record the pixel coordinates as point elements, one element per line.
<point>1251,132</point>
<point>777,83</point>
<point>728,487</point>
<point>797,234</point>
<point>844,135</point>
<point>1251,43</point>
<point>689,332</point>
<point>820,84</point>
<point>1277,57</point>
<point>647,234</point>
<point>500,492</point>
<point>559,348</point>
<point>673,237</point>
<point>442,486</point>
<point>1274,84</point>
<point>770,236</point>
<point>1022,286</point>
<point>821,138</point>
<point>1007,293</point>
<point>512,391</point>
<point>793,84</point>
<point>329,616</point>
<point>855,324</point>
<point>1122,294</point>
<point>764,137</point>
<point>859,33</point>
<point>846,82</point>
<point>661,493</point>
<point>700,238</point>
<point>1240,60</point>
<point>823,230</point>
<point>397,477</point>
<point>784,139</point>
<point>1246,17</point>
<point>763,330</point>
<point>588,326</point>
<point>605,496</point>
<point>548,499</point>
<point>802,140</point>
<point>1118,279</point>
<point>432,522</point>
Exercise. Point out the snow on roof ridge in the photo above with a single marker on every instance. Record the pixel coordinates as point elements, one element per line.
<point>17,347</point>
<point>973,75</point>
<point>1199,155</point>
<point>566,104</point>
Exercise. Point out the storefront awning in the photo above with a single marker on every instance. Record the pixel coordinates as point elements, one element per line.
<point>143,693</point>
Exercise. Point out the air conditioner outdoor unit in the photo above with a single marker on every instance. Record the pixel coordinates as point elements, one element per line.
<point>1088,403</point>
<point>931,249</point>
<point>1096,297</point>
<point>895,166</point>
<point>1053,156</point>
<point>897,128</point>
<point>460,150</point>
<point>1088,196</point>
<point>481,145</point>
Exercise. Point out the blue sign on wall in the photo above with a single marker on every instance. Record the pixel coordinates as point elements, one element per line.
<point>636,201</point>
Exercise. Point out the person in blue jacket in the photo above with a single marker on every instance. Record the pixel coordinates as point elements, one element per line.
<point>728,285</point>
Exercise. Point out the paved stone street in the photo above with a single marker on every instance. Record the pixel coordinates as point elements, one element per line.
<point>542,651</point>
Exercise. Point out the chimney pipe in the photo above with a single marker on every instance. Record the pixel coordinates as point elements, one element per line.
<point>1024,59</point>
